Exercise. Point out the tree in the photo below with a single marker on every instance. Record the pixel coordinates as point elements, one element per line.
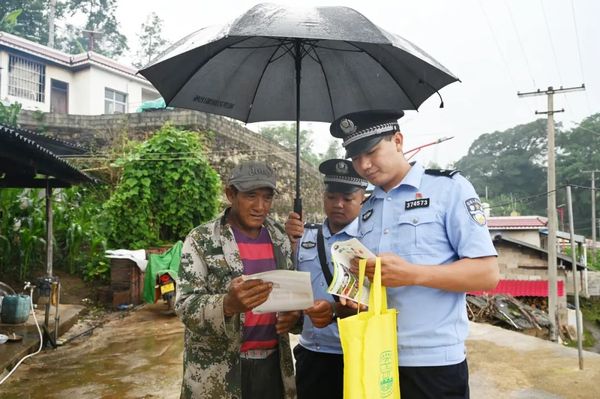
<point>162,193</point>
<point>9,114</point>
<point>334,150</point>
<point>285,135</point>
<point>101,29</point>
<point>31,22</point>
<point>578,152</point>
<point>151,41</point>
<point>8,22</point>
<point>510,162</point>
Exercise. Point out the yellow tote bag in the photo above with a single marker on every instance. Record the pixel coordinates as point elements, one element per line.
<point>369,344</point>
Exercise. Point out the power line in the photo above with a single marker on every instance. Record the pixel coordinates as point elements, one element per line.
<point>551,41</point>
<point>553,49</point>
<point>587,97</point>
<point>520,43</point>
<point>502,57</point>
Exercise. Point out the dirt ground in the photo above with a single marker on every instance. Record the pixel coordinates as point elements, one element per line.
<point>507,364</point>
<point>502,363</point>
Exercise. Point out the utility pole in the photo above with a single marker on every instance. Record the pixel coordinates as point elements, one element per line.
<point>552,272</point>
<point>593,249</point>
<point>51,16</point>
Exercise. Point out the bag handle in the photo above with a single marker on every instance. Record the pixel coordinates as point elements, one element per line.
<point>377,295</point>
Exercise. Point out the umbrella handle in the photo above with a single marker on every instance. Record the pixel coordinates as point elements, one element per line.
<point>298,206</point>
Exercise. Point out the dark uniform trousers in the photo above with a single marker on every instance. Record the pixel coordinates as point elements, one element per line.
<point>318,375</point>
<point>441,382</point>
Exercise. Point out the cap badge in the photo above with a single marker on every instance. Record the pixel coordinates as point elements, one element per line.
<point>347,126</point>
<point>341,168</point>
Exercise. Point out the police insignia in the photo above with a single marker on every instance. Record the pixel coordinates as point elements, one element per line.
<point>367,215</point>
<point>308,244</point>
<point>347,126</point>
<point>476,211</point>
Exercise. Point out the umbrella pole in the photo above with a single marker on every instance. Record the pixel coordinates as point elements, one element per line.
<point>298,61</point>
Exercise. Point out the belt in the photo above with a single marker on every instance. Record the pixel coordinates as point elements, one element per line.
<point>257,353</point>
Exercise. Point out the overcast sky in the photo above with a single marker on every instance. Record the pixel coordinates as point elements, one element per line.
<point>495,47</point>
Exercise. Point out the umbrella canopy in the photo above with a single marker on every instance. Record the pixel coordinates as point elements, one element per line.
<point>277,63</point>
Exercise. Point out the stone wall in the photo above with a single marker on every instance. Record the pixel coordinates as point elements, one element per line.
<point>230,143</point>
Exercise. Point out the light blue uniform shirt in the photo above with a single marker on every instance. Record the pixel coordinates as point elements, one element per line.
<point>325,339</point>
<point>427,220</point>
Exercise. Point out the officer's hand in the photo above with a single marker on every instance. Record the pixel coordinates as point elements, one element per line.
<point>321,313</point>
<point>244,295</point>
<point>352,305</point>
<point>286,321</point>
<point>395,271</point>
<point>294,227</point>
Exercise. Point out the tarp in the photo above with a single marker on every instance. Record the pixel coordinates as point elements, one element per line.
<point>159,263</point>
<point>151,105</point>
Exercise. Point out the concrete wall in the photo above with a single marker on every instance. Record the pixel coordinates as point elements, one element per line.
<point>526,264</point>
<point>230,143</point>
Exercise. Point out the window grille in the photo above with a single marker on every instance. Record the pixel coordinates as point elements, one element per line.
<point>26,78</point>
<point>115,102</point>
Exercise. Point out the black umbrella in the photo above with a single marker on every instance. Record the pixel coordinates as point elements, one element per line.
<point>260,66</point>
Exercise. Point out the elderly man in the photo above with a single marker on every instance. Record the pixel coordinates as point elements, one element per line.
<point>231,352</point>
<point>429,229</point>
<point>319,361</point>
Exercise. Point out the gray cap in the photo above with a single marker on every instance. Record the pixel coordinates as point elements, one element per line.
<point>250,175</point>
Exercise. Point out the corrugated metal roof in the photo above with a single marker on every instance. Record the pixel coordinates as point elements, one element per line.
<point>23,160</point>
<point>517,222</point>
<point>518,288</point>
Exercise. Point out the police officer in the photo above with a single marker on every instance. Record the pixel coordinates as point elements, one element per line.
<point>429,229</point>
<point>319,362</point>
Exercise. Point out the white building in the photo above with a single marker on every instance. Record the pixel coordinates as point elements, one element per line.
<point>48,80</point>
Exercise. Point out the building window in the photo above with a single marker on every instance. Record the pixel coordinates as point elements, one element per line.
<point>26,78</point>
<point>115,102</point>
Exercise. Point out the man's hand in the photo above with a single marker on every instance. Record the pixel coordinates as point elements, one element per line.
<point>286,321</point>
<point>294,228</point>
<point>244,295</point>
<point>321,313</point>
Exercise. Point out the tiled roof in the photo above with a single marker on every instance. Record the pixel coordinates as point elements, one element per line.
<point>67,60</point>
<point>523,288</point>
<point>517,222</point>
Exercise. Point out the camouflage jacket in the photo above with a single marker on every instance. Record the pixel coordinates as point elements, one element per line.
<point>209,261</point>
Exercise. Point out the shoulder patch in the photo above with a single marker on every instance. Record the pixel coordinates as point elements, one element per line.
<point>442,172</point>
<point>365,216</point>
<point>476,211</point>
<point>308,244</point>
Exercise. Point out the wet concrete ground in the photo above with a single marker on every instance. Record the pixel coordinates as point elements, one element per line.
<point>139,355</point>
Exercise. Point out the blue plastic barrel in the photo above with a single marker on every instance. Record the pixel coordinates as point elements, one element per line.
<point>15,309</point>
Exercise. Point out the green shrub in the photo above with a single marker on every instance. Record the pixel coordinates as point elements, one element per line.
<point>167,187</point>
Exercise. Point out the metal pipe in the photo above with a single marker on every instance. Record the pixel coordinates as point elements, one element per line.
<point>56,286</point>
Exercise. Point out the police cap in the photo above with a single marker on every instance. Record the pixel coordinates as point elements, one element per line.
<point>340,176</point>
<point>363,130</point>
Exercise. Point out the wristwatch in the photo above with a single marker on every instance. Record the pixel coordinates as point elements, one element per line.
<point>334,314</point>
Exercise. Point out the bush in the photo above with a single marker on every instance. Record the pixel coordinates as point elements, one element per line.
<point>167,187</point>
